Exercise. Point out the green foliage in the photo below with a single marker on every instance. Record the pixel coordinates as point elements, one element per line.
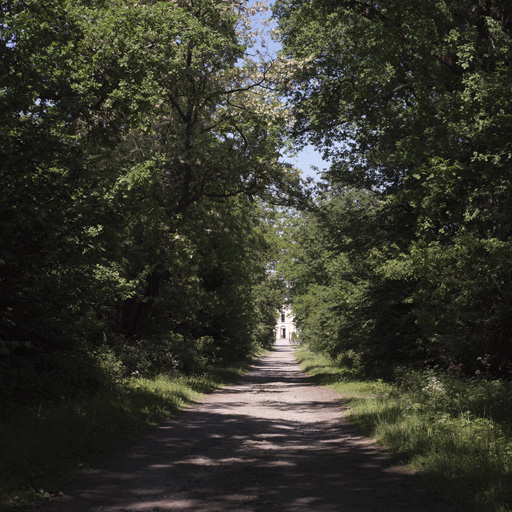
<point>351,283</point>
<point>31,375</point>
<point>411,104</point>
<point>462,302</point>
<point>138,142</point>
<point>389,300</point>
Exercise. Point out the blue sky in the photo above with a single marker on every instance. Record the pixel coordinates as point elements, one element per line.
<point>305,159</point>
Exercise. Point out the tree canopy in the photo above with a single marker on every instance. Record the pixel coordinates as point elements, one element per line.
<point>411,102</point>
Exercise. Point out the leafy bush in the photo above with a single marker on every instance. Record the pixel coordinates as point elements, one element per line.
<point>32,375</point>
<point>167,354</point>
<point>457,395</point>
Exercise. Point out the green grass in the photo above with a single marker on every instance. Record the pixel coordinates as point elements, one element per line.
<point>456,433</point>
<point>44,447</point>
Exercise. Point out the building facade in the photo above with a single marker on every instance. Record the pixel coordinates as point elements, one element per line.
<point>285,328</point>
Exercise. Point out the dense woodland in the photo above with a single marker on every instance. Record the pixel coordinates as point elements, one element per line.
<point>144,199</point>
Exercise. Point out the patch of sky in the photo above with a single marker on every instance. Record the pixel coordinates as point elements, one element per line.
<point>309,161</point>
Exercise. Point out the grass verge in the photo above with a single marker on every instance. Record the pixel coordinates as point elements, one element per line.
<point>457,434</point>
<point>42,448</point>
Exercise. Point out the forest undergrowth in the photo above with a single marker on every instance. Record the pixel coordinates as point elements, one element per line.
<point>455,433</point>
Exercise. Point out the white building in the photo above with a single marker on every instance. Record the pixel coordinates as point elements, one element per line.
<point>285,328</point>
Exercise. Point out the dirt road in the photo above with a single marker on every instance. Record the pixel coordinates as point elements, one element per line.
<point>271,442</point>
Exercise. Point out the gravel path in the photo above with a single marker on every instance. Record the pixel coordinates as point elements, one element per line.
<point>271,442</point>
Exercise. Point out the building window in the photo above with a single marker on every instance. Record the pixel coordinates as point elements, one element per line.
<point>283,317</point>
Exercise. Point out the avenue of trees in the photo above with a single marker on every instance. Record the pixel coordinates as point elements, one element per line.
<point>140,146</point>
<point>406,259</point>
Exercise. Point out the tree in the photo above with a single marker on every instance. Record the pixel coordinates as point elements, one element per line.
<point>349,294</point>
<point>412,102</point>
<point>127,128</point>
